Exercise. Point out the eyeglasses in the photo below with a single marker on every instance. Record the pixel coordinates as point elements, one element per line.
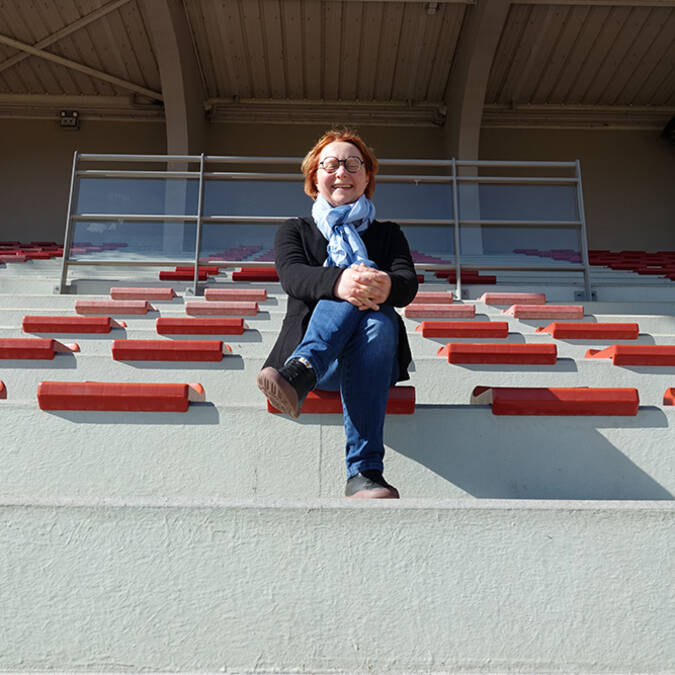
<point>332,164</point>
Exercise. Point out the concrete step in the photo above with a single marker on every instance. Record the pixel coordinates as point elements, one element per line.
<point>442,451</point>
<point>232,380</point>
<point>449,586</point>
<point>272,312</point>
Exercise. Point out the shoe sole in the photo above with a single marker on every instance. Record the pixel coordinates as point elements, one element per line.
<point>279,392</point>
<point>376,493</point>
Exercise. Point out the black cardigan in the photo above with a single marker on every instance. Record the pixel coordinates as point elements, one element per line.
<point>300,254</point>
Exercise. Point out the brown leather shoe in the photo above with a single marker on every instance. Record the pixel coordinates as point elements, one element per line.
<point>370,484</point>
<point>287,387</point>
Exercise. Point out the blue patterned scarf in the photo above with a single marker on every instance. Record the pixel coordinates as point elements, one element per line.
<point>341,225</point>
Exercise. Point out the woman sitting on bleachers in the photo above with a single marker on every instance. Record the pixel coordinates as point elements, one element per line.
<point>344,273</point>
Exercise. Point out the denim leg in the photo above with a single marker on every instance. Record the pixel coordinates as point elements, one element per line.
<point>331,325</point>
<point>355,352</point>
<point>368,365</point>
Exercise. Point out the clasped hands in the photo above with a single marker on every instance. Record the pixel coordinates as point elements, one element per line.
<point>362,286</point>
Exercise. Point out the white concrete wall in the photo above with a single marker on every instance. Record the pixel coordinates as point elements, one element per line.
<point>333,586</point>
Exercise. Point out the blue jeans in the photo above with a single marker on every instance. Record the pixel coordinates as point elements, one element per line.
<point>355,352</point>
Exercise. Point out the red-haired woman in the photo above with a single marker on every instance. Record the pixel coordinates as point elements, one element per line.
<point>344,272</point>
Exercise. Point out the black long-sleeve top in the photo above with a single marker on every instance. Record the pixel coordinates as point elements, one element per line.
<point>300,254</point>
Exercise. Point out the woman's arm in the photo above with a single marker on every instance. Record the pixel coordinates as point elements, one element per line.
<point>300,278</point>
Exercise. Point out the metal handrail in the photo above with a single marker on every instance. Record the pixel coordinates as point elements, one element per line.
<point>254,159</point>
<point>202,161</point>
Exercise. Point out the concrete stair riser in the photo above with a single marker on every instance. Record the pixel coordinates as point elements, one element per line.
<point>545,563</point>
<point>244,452</point>
<point>537,564</point>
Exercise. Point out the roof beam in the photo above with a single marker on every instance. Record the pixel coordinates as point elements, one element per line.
<point>171,39</point>
<point>66,30</point>
<point>600,3</point>
<point>467,84</point>
<point>92,72</point>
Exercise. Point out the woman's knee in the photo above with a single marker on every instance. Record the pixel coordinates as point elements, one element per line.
<point>381,330</point>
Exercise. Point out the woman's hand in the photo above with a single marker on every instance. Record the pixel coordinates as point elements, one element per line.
<point>363,286</point>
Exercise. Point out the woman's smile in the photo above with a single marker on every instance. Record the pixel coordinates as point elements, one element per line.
<point>341,186</point>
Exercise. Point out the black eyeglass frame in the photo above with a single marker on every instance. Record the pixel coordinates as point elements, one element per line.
<point>342,161</point>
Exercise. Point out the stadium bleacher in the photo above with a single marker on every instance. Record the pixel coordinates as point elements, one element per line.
<point>506,430</point>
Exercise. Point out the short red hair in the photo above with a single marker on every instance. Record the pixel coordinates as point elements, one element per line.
<point>310,165</point>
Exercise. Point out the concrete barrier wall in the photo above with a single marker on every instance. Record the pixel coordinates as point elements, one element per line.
<point>337,587</point>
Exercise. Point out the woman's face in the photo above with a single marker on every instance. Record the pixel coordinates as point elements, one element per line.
<point>341,187</point>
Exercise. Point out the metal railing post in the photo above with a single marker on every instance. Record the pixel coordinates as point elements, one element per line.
<point>69,234</point>
<point>455,214</point>
<point>588,291</point>
<point>198,235</point>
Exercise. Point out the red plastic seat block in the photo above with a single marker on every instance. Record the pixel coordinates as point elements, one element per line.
<point>487,279</point>
<point>669,396</point>
<point>120,396</point>
<point>232,308</point>
<point>41,255</point>
<point>209,269</point>
<point>401,401</point>
<point>69,324</point>
<point>636,355</point>
<point>3,390</point>
<point>168,350</point>
<point>12,258</point>
<point>167,275</point>
<point>468,274</point>
<point>545,311</point>
<point>558,400</point>
<point>127,293</point>
<point>480,352</point>
<point>112,306</point>
<point>32,348</point>
<point>256,274</point>
<point>443,311</point>
<point>469,278</point>
<point>492,329</point>
<point>513,298</point>
<point>591,331</point>
<point>431,297</point>
<point>254,294</point>
<point>420,278</point>
<point>210,326</point>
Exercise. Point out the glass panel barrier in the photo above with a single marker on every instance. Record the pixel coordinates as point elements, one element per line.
<point>138,196</point>
<point>116,239</point>
<point>255,198</point>
<point>510,215</point>
<point>431,243</point>
<point>509,201</point>
<point>238,241</point>
<point>398,201</point>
